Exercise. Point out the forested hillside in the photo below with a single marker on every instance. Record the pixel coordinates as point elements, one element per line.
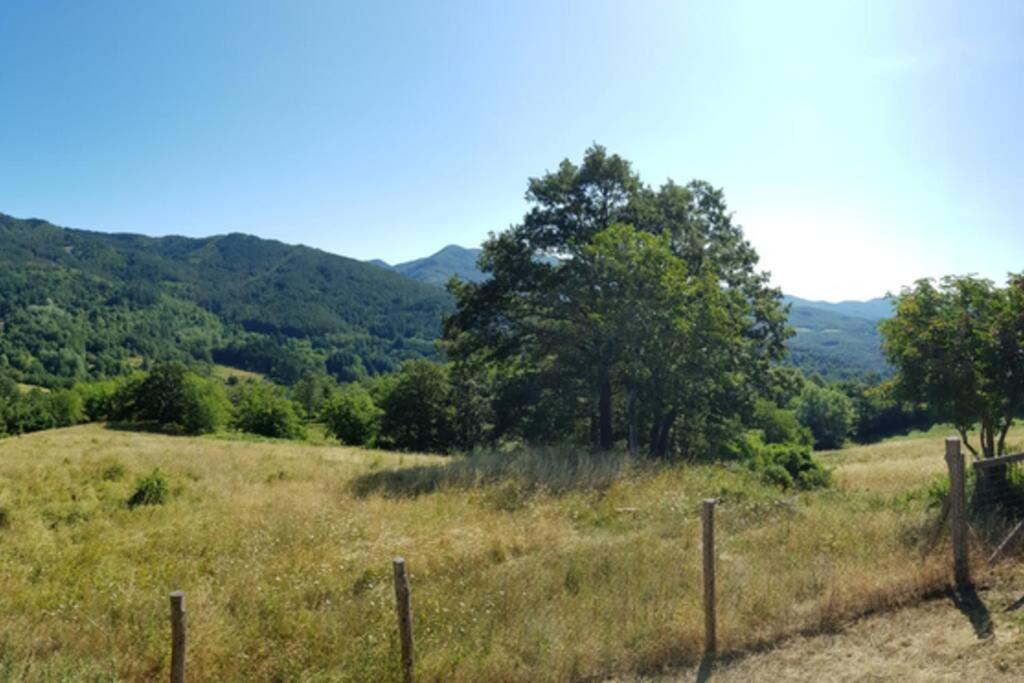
<point>77,305</point>
<point>834,345</point>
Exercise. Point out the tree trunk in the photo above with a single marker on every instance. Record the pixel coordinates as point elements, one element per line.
<point>660,434</point>
<point>634,440</point>
<point>993,485</point>
<point>604,412</point>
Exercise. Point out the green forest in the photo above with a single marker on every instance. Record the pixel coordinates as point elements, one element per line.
<point>77,306</point>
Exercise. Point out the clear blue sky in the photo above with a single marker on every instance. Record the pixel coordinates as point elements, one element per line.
<point>861,145</point>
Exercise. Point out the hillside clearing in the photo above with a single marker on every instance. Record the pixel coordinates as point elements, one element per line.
<point>284,553</point>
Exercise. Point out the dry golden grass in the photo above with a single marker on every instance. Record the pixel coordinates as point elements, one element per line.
<point>284,553</point>
<point>938,640</point>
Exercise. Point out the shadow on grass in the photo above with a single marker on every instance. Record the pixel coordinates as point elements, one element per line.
<point>554,470</point>
<point>970,604</point>
<point>707,666</point>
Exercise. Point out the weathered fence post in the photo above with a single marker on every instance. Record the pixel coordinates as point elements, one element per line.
<point>178,637</point>
<point>957,512</point>
<point>403,601</point>
<point>708,517</point>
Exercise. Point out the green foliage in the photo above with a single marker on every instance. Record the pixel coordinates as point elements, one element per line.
<point>790,465</point>
<point>175,399</point>
<point>311,392</point>
<point>417,408</point>
<point>615,311</point>
<point>67,408</point>
<point>352,417</point>
<point>150,490</point>
<point>98,398</point>
<point>779,425</point>
<point>262,408</point>
<point>959,347</point>
<point>828,413</point>
<point>880,413</point>
<point>79,306</point>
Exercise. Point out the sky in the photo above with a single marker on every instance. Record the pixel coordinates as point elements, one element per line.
<point>861,145</point>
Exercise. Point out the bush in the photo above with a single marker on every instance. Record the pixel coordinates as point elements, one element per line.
<point>150,490</point>
<point>30,412</point>
<point>352,417</point>
<point>261,408</point>
<point>98,399</point>
<point>828,413</point>
<point>790,466</point>
<point>779,425</point>
<point>177,400</point>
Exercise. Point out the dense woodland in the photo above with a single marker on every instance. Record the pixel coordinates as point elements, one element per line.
<point>614,315</point>
<point>78,306</point>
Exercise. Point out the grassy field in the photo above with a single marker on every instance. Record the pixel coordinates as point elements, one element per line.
<point>226,372</point>
<point>284,553</point>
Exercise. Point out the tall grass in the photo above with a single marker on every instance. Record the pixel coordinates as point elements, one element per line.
<point>523,568</point>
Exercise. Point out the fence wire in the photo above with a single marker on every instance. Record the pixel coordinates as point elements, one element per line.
<point>996,506</point>
<point>814,561</point>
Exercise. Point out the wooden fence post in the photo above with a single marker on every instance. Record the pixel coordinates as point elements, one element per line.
<point>403,600</point>
<point>708,517</point>
<point>178,637</point>
<point>958,512</point>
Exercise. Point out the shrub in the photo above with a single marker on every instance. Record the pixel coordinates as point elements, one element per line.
<point>150,490</point>
<point>828,413</point>
<point>67,408</point>
<point>98,399</point>
<point>779,425</point>
<point>790,466</point>
<point>352,417</point>
<point>261,408</point>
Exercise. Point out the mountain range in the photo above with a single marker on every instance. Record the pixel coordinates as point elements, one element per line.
<point>78,305</point>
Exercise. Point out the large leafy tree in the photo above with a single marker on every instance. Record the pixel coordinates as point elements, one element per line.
<point>958,345</point>
<point>614,298</point>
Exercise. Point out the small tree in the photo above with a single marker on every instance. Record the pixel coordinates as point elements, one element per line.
<point>262,408</point>
<point>828,413</point>
<point>352,417</point>
<point>959,347</point>
<point>175,399</point>
<point>312,392</point>
<point>418,411</point>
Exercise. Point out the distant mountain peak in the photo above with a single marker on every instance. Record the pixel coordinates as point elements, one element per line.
<point>438,268</point>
